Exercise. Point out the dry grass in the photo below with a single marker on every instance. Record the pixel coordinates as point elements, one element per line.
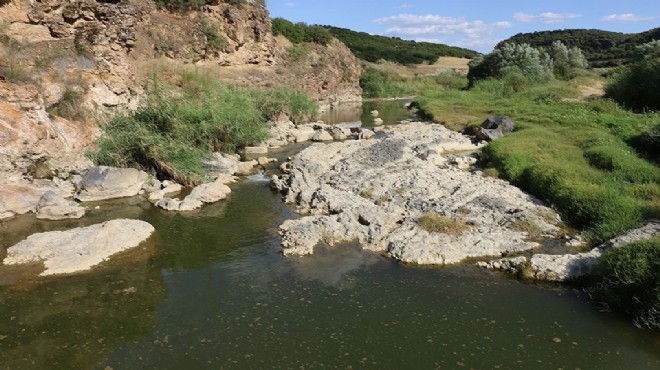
<point>532,230</point>
<point>435,223</point>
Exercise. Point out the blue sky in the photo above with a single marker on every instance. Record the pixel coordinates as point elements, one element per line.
<point>474,24</point>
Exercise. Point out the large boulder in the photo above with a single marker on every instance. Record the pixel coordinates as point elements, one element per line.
<point>103,182</point>
<point>495,127</point>
<point>17,199</point>
<point>52,206</point>
<point>64,252</point>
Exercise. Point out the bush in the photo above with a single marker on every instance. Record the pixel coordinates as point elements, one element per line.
<point>378,84</point>
<point>531,62</point>
<point>173,133</point>
<point>630,282</point>
<point>567,62</point>
<point>637,86</point>
<point>535,64</point>
<point>301,32</point>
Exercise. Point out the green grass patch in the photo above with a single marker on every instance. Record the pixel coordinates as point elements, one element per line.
<point>583,157</point>
<point>435,223</point>
<point>183,123</point>
<point>630,282</point>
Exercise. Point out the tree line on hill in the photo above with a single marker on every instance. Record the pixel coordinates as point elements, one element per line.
<point>602,48</point>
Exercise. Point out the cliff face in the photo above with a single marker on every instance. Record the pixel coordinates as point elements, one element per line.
<point>72,57</point>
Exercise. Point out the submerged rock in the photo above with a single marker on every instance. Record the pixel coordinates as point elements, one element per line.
<point>103,182</point>
<point>79,249</point>
<point>374,191</point>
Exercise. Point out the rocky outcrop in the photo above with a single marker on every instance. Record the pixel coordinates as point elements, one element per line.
<point>22,197</point>
<point>64,252</point>
<point>103,182</point>
<point>570,267</point>
<point>375,192</point>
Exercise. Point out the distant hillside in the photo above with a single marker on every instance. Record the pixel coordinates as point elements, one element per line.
<point>602,48</point>
<point>373,48</point>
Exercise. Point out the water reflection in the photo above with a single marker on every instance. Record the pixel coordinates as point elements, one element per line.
<point>390,111</point>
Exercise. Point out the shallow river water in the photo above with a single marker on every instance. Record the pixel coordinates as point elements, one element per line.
<point>211,290</point>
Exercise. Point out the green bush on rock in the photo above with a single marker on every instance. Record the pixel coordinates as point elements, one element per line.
<point>173,133</point>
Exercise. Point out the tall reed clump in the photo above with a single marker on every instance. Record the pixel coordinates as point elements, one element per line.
<point>180,125</point>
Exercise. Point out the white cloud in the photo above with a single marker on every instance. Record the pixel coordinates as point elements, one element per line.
<point>627,17</point>
<point>547,17</point>
<point>435,27</point>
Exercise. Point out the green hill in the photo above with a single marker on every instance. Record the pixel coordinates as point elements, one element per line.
<point>373,48</point>
<point>602,48</point>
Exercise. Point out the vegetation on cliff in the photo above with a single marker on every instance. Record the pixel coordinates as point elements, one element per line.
<point>373,48</point>
<point>184,122</point>
<point>602,48</point>
<point>300,32</point>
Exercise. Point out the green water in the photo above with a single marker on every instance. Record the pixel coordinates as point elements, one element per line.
<point>211,290</point>
<point>390,111</point>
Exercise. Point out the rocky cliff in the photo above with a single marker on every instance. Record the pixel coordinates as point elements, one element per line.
<point>63,62</point>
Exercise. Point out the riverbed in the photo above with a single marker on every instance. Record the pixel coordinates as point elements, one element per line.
<point>211,290</point>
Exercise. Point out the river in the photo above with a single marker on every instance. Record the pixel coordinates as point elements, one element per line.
<point>211,290</point>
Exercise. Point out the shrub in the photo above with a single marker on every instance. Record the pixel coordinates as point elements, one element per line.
<point>301,32</point>
<point>214,41</point>
<point>174,132</point>
<point>531,62</point>
<point>630,281</point>
<point>567,62</point>
<point>435,223</point>
<point>636,86</point>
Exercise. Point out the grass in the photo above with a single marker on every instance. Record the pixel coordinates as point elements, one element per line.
<point>579,156</point>
<point>198,115</point>
<point>435,223</point>
<point>630,282</point>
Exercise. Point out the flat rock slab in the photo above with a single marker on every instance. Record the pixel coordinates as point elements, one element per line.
<point>375,191</point>
<point>64,252</point>
<point>17,199</point>
<point>100,183</point>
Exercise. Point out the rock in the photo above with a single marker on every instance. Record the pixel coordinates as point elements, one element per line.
<point>339,133</point>
<point>220,163</point>
<point>569,267</point>
<point>511,265</point>
<point>462,162</point>
<point>152,185</point>
<point>255,150</point>
<point>246,168</point>
<point>18,199</point>
<point>262,161</point>
<point>365,134</point>
<point>374,191</point>
<point>172,189</point>
<point>103,182</point>
<point>321,135</point>
<point>374,113</point>
<point>52,206</point>
<point>205,193</point>
<point>79,249</point>
<point>495,127</point>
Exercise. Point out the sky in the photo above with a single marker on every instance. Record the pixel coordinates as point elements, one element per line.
<point>473,24</point>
